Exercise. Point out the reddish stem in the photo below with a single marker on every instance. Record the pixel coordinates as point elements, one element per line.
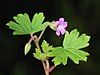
<point>50,69</point>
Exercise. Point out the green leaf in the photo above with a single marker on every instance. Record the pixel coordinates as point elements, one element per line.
<point>37,22</point>
<point>27,48</point>
<point>71,48</point>
<point>23,25</point>
<point>39,55</point>
<point>45,46</point>
<point>73,40</point>
<point>76,55</point>
<point>59,55</point>
<point>73,43</point>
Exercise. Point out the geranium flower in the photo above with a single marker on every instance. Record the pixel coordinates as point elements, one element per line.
<point>60,26</point>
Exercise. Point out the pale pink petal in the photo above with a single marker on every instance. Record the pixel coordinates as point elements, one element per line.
<point>58,33</point>
<point>60,26</point>
<point>61,20</point>
<point>65,24</point>
<point>63,31</point>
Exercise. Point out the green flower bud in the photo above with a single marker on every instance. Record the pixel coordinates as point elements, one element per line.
<point>52,25</point>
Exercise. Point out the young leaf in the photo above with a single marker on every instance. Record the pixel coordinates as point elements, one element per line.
<point>23,25</point>
<point>39,55</point>
<point>27,48</point>
<point>73,43</point>
<point>45,46</point>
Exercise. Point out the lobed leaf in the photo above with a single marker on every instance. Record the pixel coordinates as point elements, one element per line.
<point>37,22</point>
<point>73,43</point>
<point>71,48</point>
<point>73,40</point>
<point>23,25</point>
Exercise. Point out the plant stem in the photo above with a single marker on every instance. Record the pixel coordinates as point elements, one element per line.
<point>34,38</point>
<point>50,69</point>
<point>36,41</point>
<point>41,34</point>
<point>47,73</point>
<point>45,63</point>
<point>47,66</point>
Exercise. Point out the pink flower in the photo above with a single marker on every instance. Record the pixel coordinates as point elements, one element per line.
<point>60,26</point>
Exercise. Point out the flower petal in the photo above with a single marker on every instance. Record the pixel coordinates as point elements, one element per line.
<point>61,20</point>
<point>60,26</point>
<point>65,24</point>
<point>57,23</point>
<point>63,31</point>
<point>58,33</point>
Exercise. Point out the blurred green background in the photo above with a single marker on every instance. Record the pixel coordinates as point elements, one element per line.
<point>81,14</point>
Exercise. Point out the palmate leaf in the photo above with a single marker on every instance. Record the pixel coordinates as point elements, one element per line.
<point>73,40</point>
<point>71,48</point>
<point>73,43</point>
<point>23,25</point>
